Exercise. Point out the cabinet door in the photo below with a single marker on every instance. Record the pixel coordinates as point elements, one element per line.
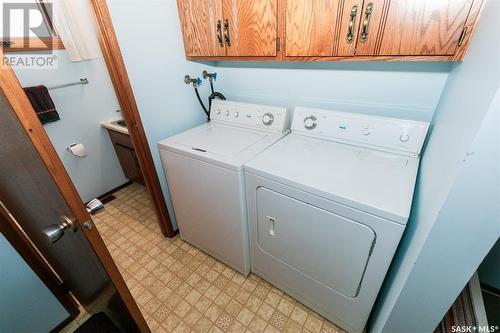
<point>322,28</point>
<point>424,27</point>
<point>310,27</point>
<point>371,20</point>
<point>413,28</point>
<point>250,27</point>
<point>201,22</point>
<point>128,162</point>
<point>349,25</point>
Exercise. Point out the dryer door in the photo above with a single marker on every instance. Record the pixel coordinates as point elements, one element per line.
<point>325,247</point>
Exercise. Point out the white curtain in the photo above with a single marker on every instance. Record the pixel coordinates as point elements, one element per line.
<point>74,22</point>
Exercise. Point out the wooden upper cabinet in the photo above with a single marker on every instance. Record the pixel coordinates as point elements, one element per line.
<point>250,27</point>
<point>318,30</point>
<point>413,28</point>
<point>201,23</point>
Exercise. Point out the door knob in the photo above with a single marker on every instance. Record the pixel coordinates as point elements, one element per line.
<point>54,232</point>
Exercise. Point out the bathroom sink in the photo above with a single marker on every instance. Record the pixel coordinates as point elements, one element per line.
<point>120,122</point>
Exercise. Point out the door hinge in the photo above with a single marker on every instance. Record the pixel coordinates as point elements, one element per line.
<point>278,44</point>
<point>462,36</point>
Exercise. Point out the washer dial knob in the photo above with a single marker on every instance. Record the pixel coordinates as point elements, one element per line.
<point>227,113</point>
<point>310,122</point>
<point>366,131</point>
<point>267,119</point>
<point>236,114</point>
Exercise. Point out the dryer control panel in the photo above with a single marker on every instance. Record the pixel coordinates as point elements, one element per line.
<point>382,133</point>
<point>264,117</point>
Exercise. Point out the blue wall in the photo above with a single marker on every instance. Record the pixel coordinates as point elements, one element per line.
<point>26,304</point>
<point>401,90</point>
<point>81,109</point>
<point>467,97</point>
<point>151,43</point>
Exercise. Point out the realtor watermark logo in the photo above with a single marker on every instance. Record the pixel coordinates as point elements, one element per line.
<point>474,329</point>
<point>27,27</point>
<point>24,61</point>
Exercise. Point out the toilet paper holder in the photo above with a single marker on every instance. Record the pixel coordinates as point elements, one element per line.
<point>77,149</point>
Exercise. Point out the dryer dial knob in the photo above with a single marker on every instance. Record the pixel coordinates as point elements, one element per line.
<point>404,137</point>
<point>236,114</point>
<point>310,122</point>
<point>267,119</point>
<point>366,131</point>
<point>227,113</point>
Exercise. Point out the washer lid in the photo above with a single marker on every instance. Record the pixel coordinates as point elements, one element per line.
<point>377,182</point>
<point>224,141</point>
<point>226,145</point>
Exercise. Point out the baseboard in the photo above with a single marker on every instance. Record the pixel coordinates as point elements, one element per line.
<point>110,192</point>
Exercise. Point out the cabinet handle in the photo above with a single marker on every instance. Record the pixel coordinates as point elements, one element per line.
<point>219,33</point>
<point>366,23</point>
<point>227,37</point>
<point>352,23</point>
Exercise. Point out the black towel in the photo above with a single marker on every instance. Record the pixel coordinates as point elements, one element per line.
<point>42,103</point>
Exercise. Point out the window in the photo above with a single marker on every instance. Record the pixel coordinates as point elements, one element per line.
<point>27,26</point>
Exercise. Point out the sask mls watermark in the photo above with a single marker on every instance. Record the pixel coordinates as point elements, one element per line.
<point>27,27</point>
<point>474,329</point>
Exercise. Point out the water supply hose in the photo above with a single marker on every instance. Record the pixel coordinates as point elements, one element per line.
<point>207,112</point>
<point>197,82</point>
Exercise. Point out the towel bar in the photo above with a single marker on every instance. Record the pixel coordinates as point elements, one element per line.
<point>82,81</point>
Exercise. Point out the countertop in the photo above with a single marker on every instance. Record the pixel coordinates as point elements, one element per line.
<point>110,125</point>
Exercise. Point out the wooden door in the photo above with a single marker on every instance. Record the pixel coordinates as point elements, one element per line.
<point>201,23</point>
<point>311,27</point>
<point>39,266</point>
<point>413,28</point>
<point>250,27</point>
<point>36,189</point>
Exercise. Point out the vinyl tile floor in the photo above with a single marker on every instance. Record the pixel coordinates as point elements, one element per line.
<point>182,289</point>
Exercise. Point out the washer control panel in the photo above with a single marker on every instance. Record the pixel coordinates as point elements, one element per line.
<point>263,117</point>
<point>390,134</point>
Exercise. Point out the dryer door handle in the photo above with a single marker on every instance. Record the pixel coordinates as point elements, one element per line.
<point>271,230</point>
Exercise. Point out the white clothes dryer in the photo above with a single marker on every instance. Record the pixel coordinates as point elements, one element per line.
<point>327,206</point>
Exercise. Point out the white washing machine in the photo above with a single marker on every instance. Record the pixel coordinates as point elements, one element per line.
<point>204,170</point>
<point>327,206</point>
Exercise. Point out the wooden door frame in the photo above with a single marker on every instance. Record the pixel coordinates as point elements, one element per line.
<point>21,243</point>
<point>34,130</point>
<point>123,89</point>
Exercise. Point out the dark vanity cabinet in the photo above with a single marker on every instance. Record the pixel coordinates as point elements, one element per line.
<point>126,155</point>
